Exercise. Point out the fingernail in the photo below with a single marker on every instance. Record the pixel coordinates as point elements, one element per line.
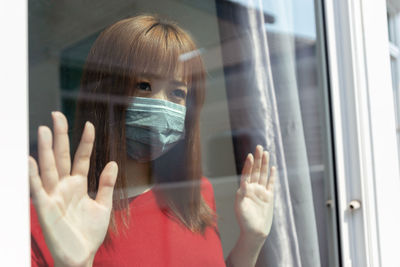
<point>114,165</point>
<point>54,116</point>
<point>44,133</point>
<point>55,113</point>
<point>251,157</point>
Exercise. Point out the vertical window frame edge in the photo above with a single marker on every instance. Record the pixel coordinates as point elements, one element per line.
<point>349,66</point>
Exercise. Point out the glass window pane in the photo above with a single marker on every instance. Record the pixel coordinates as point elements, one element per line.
<point>390,27</point>
<point>178,94</point>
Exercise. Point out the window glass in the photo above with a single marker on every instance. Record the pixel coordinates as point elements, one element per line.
<point>390,27</point>
<point>214,116</point>
<point>393,28</point>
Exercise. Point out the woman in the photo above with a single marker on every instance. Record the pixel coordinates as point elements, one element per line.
<point>142,90</point>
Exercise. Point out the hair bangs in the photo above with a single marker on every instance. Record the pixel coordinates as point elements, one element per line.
<point>162,51</point>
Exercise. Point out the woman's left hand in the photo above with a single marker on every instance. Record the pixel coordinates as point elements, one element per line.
<point>255,197</point>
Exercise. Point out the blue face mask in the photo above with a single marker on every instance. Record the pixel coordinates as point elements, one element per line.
<point>153,126</point>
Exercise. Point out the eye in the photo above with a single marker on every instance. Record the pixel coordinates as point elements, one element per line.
<point>144,86</point>
<point>179,93</point>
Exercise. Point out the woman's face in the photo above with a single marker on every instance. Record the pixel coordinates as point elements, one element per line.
<point>174,90</point>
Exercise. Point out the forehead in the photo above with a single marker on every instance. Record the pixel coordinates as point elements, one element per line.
<point>177,77</point>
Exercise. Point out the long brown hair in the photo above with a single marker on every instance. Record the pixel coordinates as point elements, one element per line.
<point>123,52</point>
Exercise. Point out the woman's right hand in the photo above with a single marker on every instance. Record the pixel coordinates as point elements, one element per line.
<point>74,225</point>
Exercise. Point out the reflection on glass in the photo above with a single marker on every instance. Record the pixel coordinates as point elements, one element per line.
<point>137,124</point>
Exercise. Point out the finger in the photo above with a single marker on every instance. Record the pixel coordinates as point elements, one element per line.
<point>272,178</point>
<point>61,144</point>
<point>47,164</point>
<point>82,155</point>
<point>255,174</point>
<point>35,183</point>
<point>246,172</point>
<point>106,184</point>
<point>264,169</point>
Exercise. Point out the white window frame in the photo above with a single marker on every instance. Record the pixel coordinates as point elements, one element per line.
<point>367,166</point>
<point>14,189</point>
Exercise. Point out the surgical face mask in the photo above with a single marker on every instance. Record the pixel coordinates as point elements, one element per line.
<point>153,126</point>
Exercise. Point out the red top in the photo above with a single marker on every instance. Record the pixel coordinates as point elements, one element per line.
<point>152,239</point>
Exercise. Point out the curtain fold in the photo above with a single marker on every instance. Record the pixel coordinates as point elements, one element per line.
<point>264,109</point>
